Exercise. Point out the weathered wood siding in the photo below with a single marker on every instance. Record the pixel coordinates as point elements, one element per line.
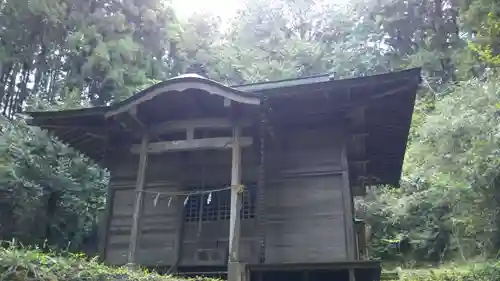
<point>304,205</point>
<point>160,216</point>
<point>213,240</point>
<point>304,199</point>
<point>208,243</point>
<point>161,222</point>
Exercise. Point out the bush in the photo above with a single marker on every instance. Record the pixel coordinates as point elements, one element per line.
<point>488,272</point>
<point>18,264</point>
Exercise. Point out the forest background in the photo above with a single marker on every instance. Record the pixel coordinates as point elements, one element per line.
<point>60,54</point>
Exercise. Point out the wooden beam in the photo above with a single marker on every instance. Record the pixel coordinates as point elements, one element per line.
<point>348,208</point>
<point>129,123</point>
<point>356,136</point>
<point>93,129</point>
<point>190,134</point>
<point>84,139</point>
<point>235,268</point>
<point>133,113</point>
<point>359,162</point>
<point>142,128</point>
<point>179,232</point>
<point>392,92</point>
<point>352,276</point>
<point>179,85</point>
<point>357,118</point>
<point>358,190</point>
<point>105,222</point>
<point>365,103</point>
<point>216,123</point>
<point>194,144</point>
<point>139,187</point>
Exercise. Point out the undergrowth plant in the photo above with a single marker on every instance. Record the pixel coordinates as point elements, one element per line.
<point>18,263</point>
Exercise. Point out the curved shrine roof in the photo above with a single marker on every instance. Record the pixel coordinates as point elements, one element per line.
<point>389,98</point>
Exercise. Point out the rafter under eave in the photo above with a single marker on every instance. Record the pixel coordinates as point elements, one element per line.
<point>182,84</point>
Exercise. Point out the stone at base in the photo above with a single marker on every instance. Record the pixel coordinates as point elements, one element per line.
<point>131,266</point>
<point>236,272</point>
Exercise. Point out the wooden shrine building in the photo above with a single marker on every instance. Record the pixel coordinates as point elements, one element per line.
<point>254,180</point>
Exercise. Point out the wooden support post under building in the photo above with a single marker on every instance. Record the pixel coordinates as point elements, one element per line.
<point>139,187</point>
<point>352,276</point>
<point>235,270</point>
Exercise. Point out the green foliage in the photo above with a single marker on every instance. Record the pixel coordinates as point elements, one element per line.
<point>18,264</point>
<point>50,194</point>
<point>22,264</point>
<point>448,204</point>
<point>487,50</point>
<point>479,272</point>
<point>67,54</point>
<point>101,49</point>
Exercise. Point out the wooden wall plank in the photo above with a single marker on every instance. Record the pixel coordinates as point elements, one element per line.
<point>157,229</point>
<point>348,205</point>
<point>136,217</point>
<point>304,199</point>
<point>305,221</point>
<point>167,172</point>
<point>105,223</point>
<point>304,205</point>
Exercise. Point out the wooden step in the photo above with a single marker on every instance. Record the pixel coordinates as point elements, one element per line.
<point>201,273</point>
<point>389,276</point>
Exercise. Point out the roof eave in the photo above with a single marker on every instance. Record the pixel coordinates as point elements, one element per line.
<point>250,91</point>
<point>180,84</point>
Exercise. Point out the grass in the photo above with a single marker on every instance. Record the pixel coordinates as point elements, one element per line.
<point>485,271</point>
<point>23,264</point>
<point>32,264</point>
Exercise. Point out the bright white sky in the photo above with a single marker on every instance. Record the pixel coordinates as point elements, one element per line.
<point>225,9</point>
<point>222,8</point>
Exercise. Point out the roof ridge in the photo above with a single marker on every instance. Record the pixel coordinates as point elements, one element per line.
<point>283,80</point>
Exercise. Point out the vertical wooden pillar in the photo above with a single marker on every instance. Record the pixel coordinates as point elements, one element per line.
<point>107,214</point>
<point>139,187</point>
<point>348,208</point>
<point>104,226</point>
<point>235,271</point>
<point>352,276</point>
<point>305,275</point>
